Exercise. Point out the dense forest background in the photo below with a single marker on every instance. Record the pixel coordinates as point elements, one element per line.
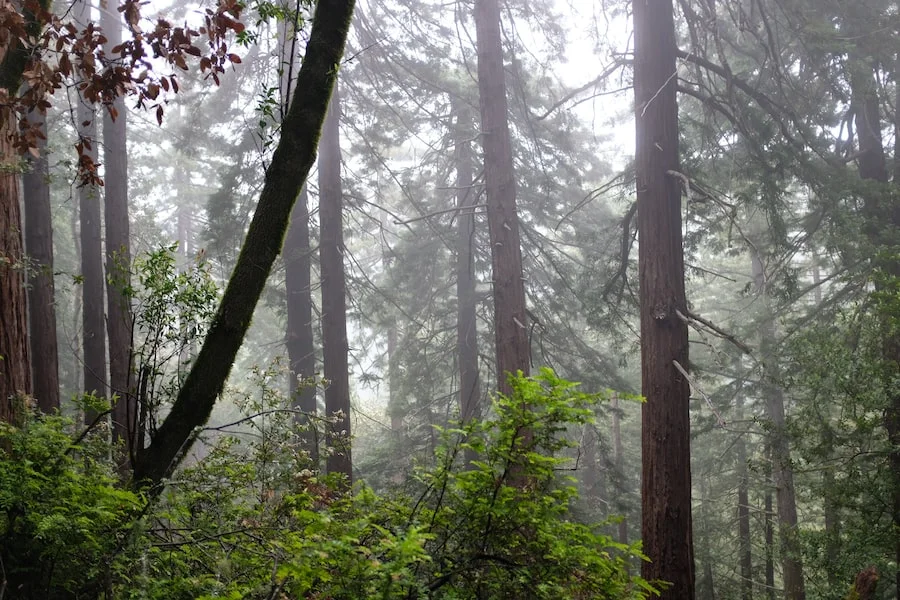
<point>690,208</point>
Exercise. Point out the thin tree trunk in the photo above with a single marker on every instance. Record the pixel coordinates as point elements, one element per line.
<point>743,506</point>
<point>510,322</point>
<point>396,406</point>
<point>620,464</point>
<point>466,320</point>
<point>769,526</point>
<point>41,294</point>
<point>666,474</point>
<point>782,471</point>
<point>118,255</point>
<point>593,480</point>
<point>293,157</point>
<point>832,516</point>
<point>334,303</point>
<point>707,587</point>
<point>299,336</point>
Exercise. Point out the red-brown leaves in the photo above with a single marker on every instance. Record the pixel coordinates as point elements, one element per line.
<point>64,54</point>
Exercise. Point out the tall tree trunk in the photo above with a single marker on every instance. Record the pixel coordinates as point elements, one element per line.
<point>666,475</point>
<point>41,294</point>
<point>15,367</point>
<point>334,302</point>
<point>882,214</point>
<point>93,326</point>
<point>782,471</point>
<point>396,406</point>
<point>510,332</point>
<point>769,526</point>
<point>299,336</point>
<point>620,464</point>
<point>466,320</point>
<point>743,506</point>
<point>118,254</point>
<point>830,508</point>
<point>707,590</point>
<point>293,157</point>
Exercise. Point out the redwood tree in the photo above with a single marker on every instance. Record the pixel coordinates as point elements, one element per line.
<point>665,436</point>
<point>93,326</point>
<point>15,367</point>
<point>466,323</point>
<point>334,303</point>
<point>510,332</point>
<point>41,295</point>
<point>118,250</point>
<point>299,334</point>
<point>782,469</point>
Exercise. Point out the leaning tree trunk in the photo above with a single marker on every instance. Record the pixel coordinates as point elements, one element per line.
<point>299,335</point>
<point>466,320</point>
<point>41,294</point>
<point>665,435</point>
<point>118,254</point>
<point>510,332</point>
<point>782,471</point>
<point>293,157</point>
<point>335,349</point>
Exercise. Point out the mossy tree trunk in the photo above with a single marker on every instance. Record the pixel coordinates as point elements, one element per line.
<point>293,157</point>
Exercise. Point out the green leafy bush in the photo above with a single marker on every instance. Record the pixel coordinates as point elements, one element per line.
<point>63,515</point>
<point>254,519</point>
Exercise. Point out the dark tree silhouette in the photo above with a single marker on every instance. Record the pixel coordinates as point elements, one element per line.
<point>334,301</point>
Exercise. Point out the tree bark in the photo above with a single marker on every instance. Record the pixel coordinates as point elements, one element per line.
<point>782,470</point>
<point>510,322</point>
<point>15,366</point>
<point>396,406</point>
<point>620,464</point>
<point>335,349</point>
<point>41,293</point>
<point>743,506</point>
<point>707,590</point>
<point>93,326</point>
<point>665,437</point>
<point>769,527</point>
<point>287,172</point>
<point>466,303</point>
<point>118,255</point>
<point>299,336</point>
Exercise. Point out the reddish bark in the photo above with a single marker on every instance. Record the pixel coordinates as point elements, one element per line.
<point>510,333</point>
<point>665,438</point>
<point>41,295</point>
